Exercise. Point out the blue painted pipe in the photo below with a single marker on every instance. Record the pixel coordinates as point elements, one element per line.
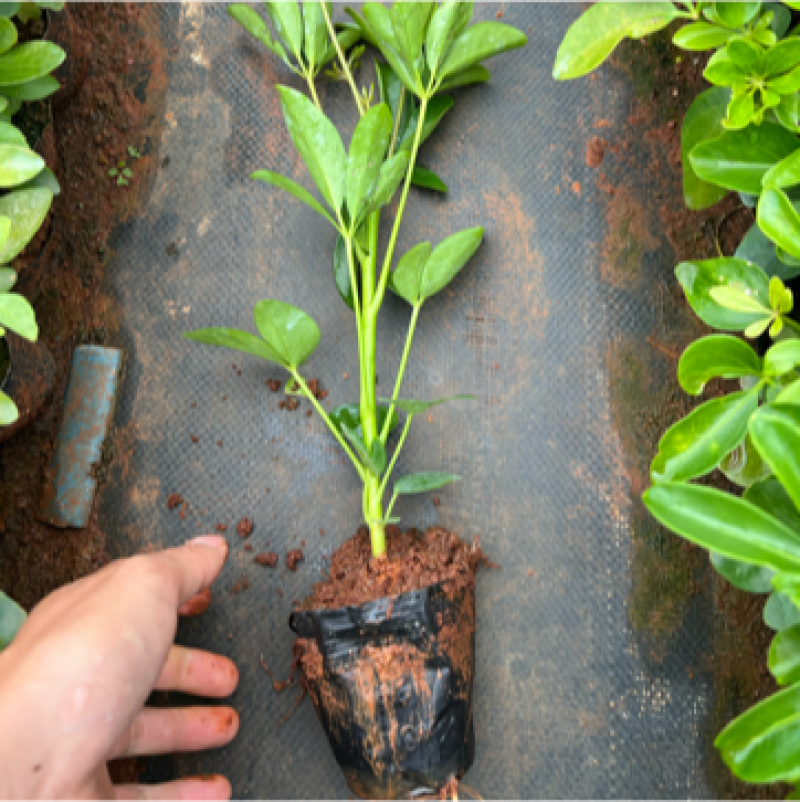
<point>69,491</point>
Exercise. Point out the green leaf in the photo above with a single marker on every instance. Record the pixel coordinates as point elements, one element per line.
<point>778,219</point>
<point>781,58</point>
<point>251,21</point>
<point>17,315</point>
<point>423,482</point>
<point>738,160</point>
<point>293,189</point>
<point>790,395</point>
<point>740,111</point>
<point>8,34</point>
<point>785,84</point>
<point>367,148</point>
<point>716,356</point>
<point>447,259</point>
<point>479,42</point>
<point>763,744</point>
<point>418,407</point>
<point>736,14</point>
<point>341,272</point>
<point>779,613</point>
<point>747,577</point>
<point>347,36</point>
<point>315,43</point>
<point>288,331</point>
<point>406,279</point>
<point>703,121</point>
<point>392,89</point>
<point>437,108</point>
<point>701,36</point>
<point>410,23</point>
<point>781,18</point>
<point>472,75</point>
<point>37,89</point>
<point>439,38</point>
<point>12,617</point>
<point>8,10</point>
<point>237,340</point>
<point>784,656</point>
<point>695,445</point>
<point>775,430</point>
<point>349,415</point>
<point>26,208</point>
<point>782,357</point>
<point>8,278</point>
<point>725,524</point>
<point>427,180</point>
<point>18,164</point>
<point>8,410</point>
<point>723,72</point>
<point>699,278</point>
<point>11,135</point>
<point>317,141</point>
<point>744,466</point>
<point>593,36</point>
<point>288,24</point>
<point>43,180</point>
<point>391,174</point>
<point>771,496</point>
<point>746,55</point>
<point>29,61</point>
<point>755,247</point>
<point>374,457</point>
<point>737,300</point>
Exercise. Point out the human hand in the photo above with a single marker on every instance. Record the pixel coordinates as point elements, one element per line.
<point>74,681</point>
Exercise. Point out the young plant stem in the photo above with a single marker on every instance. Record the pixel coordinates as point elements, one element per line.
<point>324,415</point>
<point>342,60</point>
<point>394,458</point>
<point>311,88</point>
<point>401,370</point>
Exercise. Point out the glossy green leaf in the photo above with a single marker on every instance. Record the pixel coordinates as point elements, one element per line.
<point>741,111</point>
<point>763,744</point>
<point>410,24</point>
<point>288,23</point>
<point>778,219</point>
<point>755,247</point>
<point>781,58</point>
<point>8,10</point>
<point>472,75</point>
<point>418,407</point>
<point>318,143</point>
<point>341,272</point>
<point>346,36</point>
<point>367,148</point>
<point>701,36</point>
<point>790,395</point>
<point>703,121</point>
<point>439,37</point>
<point>392,90</point>
<point>699,278</point>
<point>423,482</point>
<point>785,84</point>
<point>738,160</point>
<point>18,164</point>
<point>695,444</point>
<point>17,314</point>
<point>8,278</point>
<point>26,208</point>
<point>723,72</point>
<point>44,179</point>
<point>8,34</point>
<point>784,656</point>
<point>286,184</point>
<point>426,179</point>
<point>745,576</point>
<point>374,457</point>
<point>716,356</point>
<point>479,42</point>
<point>437,108</point>
<point>8,410</point>
<point>406,279</point>
<point>235,339</point>
<point>252,22</point>
<point>744,465</point>
<point>37,89</point>
<point>315,39</point>
<point>782,357</point>
<point>447,259</point>
<point>392,172</point>
<point>11,135</point>
<point>349,415</point>
<point>287,330</point>
<point>780,614</point>
<point>12,617</point>
<point>771,496</point>
<point>736,14</point>
<point>592,37</point>
<point>722,523</point>
<point>29,61</point>
<point>746,55</point>
<point>775,430</point>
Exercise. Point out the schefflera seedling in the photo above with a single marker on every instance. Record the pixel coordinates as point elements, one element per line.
<point>427,48</point>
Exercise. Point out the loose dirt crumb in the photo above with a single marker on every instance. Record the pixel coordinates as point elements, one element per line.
<point>576,188</point>
<point>500,14</point>
<point>595,151</point>
<point>308,413</point>
<point>269,559</point>
<point>292,558</point>
<point>221,528</point>
<point>289,404</point>
<point>244,527</point>
<point>273,384</point>
<point>174,500</point>
<point>195,438</point>
<point>248,546</point>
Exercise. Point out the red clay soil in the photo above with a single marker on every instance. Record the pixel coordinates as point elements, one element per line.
<point>413,561</point>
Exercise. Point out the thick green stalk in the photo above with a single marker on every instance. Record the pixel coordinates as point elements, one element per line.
<point>402,369</point>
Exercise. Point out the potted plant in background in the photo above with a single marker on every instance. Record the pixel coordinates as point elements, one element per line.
<point>387,640</point>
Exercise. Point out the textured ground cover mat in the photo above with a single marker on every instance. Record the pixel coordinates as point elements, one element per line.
<point>565,325</point>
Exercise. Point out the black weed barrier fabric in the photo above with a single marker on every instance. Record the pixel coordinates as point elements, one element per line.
<point>578,690</point>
